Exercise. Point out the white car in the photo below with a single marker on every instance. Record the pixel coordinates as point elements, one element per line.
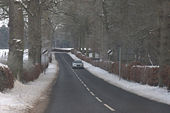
<point>77,64</point>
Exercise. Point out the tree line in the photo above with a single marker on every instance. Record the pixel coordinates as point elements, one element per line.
<point>30,20</point>
<point>139,27</point>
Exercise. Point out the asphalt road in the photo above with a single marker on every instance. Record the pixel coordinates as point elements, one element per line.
<point>78,91</point>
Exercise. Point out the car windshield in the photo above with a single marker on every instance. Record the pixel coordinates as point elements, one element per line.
<point>78,61</point>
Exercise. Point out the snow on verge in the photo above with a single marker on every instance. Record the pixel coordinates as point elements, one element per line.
<point>23,96</point>
<point>150,92</point>
<point>4,54</point>
<point>64,48</point>
<point>3,65</point>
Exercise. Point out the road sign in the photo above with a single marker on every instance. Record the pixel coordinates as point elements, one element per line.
<point>109,52</point>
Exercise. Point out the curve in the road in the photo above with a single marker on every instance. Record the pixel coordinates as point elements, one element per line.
<point>70,96</point>
<point>78,91</point>
<point>97,98</point>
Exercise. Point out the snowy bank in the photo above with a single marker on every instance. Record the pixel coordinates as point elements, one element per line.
<point>23,96</point>
<point>4,54</point>
<point>3,65</point>
<point>64,48</point>
<point>150,92</point>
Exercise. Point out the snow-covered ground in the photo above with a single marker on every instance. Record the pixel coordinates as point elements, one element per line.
<point>4,55</point>
<point>64,48</point>
<point>3,65</point>
<point>150,92</point>
<point>23,96</point>
<point>4,22</point>
<point>139,66</point>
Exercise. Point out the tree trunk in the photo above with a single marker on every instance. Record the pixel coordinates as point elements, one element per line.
<point>16,46</point>
<point>47,31</point>
<point>165,39</point>
<point>34,31</point>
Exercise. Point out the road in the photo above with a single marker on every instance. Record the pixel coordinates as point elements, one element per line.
<point>78,91</point>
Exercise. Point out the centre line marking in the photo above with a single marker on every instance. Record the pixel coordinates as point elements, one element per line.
<point>92,93</point>
<point>88,89</point>
<point>110,108</point>
<point>98,99</point>
<point>85,85</point>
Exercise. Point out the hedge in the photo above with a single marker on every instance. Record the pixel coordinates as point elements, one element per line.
<point>134,71</point>
<point>6,78</point>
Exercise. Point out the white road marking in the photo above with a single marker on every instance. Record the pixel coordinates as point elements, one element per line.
<point>99,99</point>
<point>110,108</point>
<point>88,89</point>
<point>84,85</point>
<point>92,93</point>
<point>82,82</point>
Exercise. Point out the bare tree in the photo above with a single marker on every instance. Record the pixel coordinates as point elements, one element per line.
<point>34,31</point>
<point>165,39</point>
<point>16,45</point>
